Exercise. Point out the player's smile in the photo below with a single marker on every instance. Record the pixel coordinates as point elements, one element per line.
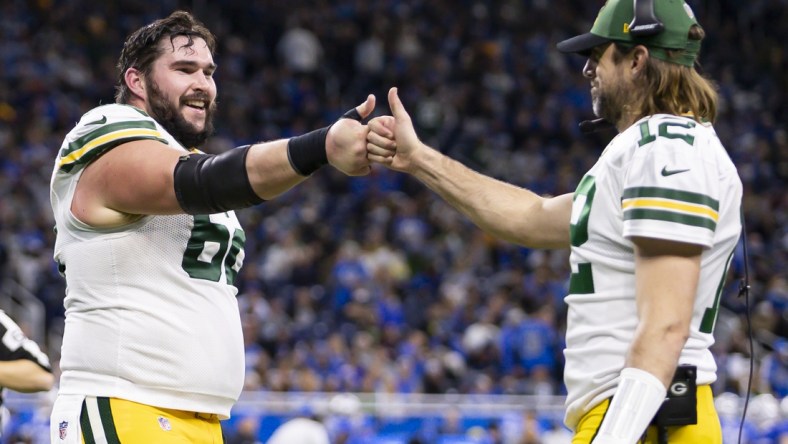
<point>196,104</point>
<point>197,100</point>
<point>195,109</point>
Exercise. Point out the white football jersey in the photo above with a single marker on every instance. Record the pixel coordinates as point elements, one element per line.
<point>665,177</point>
<point>151,310</point>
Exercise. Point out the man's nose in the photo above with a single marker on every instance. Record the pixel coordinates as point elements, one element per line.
<point>589,70</point>
<point>201,81</point>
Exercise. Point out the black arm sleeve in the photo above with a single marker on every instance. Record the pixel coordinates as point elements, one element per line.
<point>207,184</point>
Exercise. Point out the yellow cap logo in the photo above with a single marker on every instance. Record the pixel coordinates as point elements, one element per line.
<point>626,28</point>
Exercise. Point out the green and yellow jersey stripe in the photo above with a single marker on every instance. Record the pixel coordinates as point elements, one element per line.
<point>86,148</point>
<point>665,204</point>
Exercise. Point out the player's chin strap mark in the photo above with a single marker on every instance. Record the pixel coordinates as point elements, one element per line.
<point>207,184</point>
<point>307,152</point>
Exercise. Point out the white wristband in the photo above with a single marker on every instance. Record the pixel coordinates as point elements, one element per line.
<point>637,399</point>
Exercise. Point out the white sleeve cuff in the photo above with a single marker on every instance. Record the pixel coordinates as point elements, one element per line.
<point>635,402</point>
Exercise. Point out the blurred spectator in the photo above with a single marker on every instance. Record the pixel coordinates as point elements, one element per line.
<point>300,431</point>
<point>298,47</point>
<point>245,431</point>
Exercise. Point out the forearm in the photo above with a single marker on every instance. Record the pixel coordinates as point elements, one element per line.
<point>642,384</point>
<point>270,172</point>
<point>275,167</point>
<point>24,376</point>
<point>665,285</point>
<point>656,349</point>
<point>506,211</point>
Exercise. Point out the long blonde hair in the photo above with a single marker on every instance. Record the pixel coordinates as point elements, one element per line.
<point>676,89</point>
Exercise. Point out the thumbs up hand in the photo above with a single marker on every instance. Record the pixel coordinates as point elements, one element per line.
<point>392,140</point>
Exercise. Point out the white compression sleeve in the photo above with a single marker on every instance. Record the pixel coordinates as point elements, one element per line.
<point>636,401</point>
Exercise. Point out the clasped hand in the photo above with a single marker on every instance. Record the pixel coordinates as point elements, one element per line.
<point>346,142</point>
<point>352,146</point>
<point>392,140</point>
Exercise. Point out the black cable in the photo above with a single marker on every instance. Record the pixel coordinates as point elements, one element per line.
<point>744,290</point>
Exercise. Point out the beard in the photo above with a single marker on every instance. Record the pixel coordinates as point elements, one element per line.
<point>170,117</point>
<point>610,103</point>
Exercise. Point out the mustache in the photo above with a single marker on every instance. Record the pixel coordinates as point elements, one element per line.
<point>197,96</point>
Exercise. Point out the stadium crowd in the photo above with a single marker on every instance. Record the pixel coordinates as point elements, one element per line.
<point>373,284</point>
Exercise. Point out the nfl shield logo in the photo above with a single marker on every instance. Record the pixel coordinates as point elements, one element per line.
<point>164,423</point>
<point>63,429</point>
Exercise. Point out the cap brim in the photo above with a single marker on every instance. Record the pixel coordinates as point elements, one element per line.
<point>582,44</point>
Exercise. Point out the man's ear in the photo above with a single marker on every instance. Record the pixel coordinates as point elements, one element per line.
<point>135,82</point>
<point>640,56</point>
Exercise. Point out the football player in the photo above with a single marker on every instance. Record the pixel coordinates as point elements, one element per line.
<point>150,245</point>
<point>651,226</point>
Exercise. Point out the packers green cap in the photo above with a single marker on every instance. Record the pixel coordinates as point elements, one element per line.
<point>660,25</point>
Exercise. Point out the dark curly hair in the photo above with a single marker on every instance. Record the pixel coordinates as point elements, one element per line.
<point>142,47</point>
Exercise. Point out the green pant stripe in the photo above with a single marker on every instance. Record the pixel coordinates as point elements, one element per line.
<point>105,411</point>
<point>84,421</point>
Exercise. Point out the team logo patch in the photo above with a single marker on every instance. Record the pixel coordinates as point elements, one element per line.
<point>679,389</point>
<point>164,423</point>
<point>62,429</point>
